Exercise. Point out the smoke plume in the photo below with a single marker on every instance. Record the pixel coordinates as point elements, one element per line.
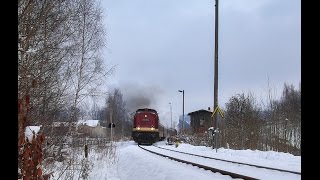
<point>141,96</point>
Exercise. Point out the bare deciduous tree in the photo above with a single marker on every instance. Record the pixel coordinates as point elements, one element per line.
<point>59,62</point>
<point>88,68</point>
<point>242,122</point>
<point>120,116</point>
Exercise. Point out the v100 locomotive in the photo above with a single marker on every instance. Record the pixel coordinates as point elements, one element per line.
<point>145,126</point>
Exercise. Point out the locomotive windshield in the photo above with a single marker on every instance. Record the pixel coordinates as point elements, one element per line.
<point>146,110</point>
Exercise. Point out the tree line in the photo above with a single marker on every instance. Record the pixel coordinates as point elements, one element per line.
<point>275,125</point>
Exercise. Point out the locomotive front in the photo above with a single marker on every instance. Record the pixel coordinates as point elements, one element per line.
<point>145,126</point>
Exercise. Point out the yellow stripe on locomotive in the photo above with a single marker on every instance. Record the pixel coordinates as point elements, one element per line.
<point>145,129</point>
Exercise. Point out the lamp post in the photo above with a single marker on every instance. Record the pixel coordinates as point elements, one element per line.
<point>170,115</point>
<point>182,108</point>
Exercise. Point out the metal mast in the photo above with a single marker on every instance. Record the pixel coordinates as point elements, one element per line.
<point>215,87</point>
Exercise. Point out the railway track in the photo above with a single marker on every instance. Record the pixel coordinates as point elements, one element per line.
<point>253,165</point>
<point>207,164</point>
<point>233,175</point>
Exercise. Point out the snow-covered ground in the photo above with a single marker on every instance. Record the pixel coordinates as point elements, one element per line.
<point>126,161</point>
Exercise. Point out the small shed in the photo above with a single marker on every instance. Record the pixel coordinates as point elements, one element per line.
<point>200,121</point>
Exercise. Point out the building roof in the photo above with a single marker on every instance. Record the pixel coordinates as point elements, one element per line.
<point>92,123</point>
<point>58,124</point>
<point>199,111</point>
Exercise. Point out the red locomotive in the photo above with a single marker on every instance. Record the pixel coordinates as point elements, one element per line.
<point>145,126</point>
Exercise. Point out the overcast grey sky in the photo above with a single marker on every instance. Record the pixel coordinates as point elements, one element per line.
<point>162,46</point>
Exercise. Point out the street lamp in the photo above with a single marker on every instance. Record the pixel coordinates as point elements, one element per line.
<point>170,115</point>
<point>182,108</point>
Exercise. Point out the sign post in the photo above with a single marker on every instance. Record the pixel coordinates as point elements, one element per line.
<point>215,132</point>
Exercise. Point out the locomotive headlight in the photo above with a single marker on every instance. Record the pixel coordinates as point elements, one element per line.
<point>152,128</point>
<point>138,128</point>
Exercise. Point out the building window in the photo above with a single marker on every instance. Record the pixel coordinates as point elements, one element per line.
<point>201,122</point>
